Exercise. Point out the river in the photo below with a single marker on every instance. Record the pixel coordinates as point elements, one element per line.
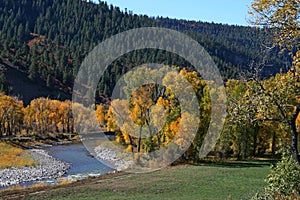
<point>82,163</point>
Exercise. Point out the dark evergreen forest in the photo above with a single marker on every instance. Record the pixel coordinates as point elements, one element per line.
<point>46,40</point>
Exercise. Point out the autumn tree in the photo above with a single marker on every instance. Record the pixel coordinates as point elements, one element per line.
<point>239,119</point>
<point>254,108</point>
<point>282,93</point>
<point>83,118</point>
<point>160,114</point>
<point>282,16</point>
<point>41,116</point>
<point>100,114</point>
<point>40,113</point>
<point>11,113</point>
<point>44,115</point>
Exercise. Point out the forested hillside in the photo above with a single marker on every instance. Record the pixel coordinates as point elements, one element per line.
<point>46,41</point>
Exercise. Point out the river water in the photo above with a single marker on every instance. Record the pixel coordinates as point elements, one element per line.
<point>82,163</point>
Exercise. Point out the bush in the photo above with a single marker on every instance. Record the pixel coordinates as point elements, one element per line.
<point>284,180</point>
<point>276,196</point>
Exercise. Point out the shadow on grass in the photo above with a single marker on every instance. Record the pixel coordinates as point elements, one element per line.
<point>236,164</point>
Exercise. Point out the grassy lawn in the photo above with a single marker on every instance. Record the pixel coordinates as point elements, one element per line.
<point>217,181</point>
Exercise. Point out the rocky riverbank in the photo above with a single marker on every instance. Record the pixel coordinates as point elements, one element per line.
<point>48,168</point>
<point>114,158</point>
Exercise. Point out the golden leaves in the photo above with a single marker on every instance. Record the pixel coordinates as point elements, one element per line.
<point>152,117</point>
<point>283,16</point>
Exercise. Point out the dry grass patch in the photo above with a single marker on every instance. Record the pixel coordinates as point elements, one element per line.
<point>14,157</point>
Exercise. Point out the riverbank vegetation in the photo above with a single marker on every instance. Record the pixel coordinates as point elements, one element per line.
<point>243,136</point>
<point>53,56</point>
<point>40,116</point>
<point>14,157</point>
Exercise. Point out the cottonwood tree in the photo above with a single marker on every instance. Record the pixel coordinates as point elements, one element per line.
<point>153,116</point>
<point>46,116</point>
<point>11,115</point>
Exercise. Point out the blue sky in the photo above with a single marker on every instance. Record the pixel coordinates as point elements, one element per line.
<point>219,11</point>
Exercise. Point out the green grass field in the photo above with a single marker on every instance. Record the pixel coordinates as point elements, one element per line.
<point>215,181</point>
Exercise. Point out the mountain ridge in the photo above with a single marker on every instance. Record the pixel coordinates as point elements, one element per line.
<point>47,41</point>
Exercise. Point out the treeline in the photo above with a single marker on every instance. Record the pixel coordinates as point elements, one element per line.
<point>40,117</point>
<point>48,41</point>
<point>255,125</point>
<point>154,118</point>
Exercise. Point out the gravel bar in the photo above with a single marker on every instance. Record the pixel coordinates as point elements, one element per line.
<point>48,168</point>
<point>113,158</point>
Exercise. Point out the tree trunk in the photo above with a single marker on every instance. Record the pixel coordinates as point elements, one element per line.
<point>131,143</point>
<point>245,145</point>
<point>274,143</point>
<point>1,129</point>
<point>245,150</point>
<point>9,132</point>
<point>255,140</point>
<point>294,133</point>
<point>68,125</point>
<point>139,140</point>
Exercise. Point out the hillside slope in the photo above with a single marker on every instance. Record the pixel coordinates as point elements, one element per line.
<point>47,41</point>
<point>26,89</point>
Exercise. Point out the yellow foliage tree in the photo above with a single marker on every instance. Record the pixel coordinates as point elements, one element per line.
<point>283,17</point>
<point>11,112</point>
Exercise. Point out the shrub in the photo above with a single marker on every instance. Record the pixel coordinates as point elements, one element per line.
<point>284,180</point>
